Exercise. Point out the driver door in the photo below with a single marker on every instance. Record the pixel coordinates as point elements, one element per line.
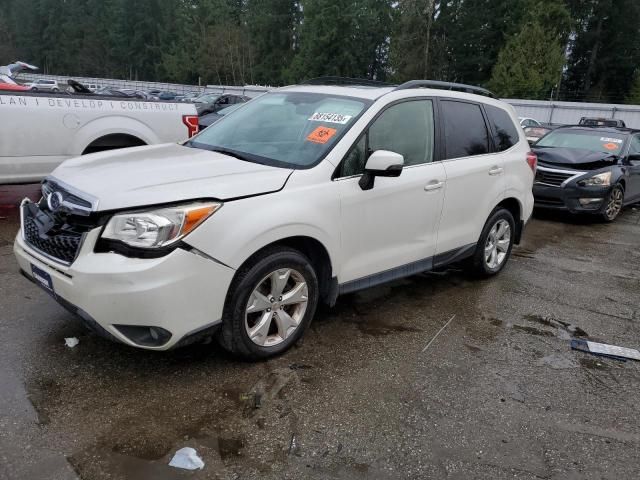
<point>390,231</point>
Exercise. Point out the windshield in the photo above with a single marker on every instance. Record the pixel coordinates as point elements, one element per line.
<point>206,98</point>
<point>289,129</point>
<point>593,141</point>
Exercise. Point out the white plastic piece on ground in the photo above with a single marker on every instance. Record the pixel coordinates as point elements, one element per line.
<point>187,458</point>
<point>71,342</point>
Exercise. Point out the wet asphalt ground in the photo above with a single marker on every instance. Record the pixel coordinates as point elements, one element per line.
<point>498,394</point>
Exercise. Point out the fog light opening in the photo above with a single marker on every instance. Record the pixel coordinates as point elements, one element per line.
<point>590,202</point>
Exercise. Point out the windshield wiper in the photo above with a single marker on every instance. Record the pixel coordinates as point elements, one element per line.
<point>225,151</point>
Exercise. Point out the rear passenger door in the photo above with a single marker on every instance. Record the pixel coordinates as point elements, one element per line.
<point>475,176</point>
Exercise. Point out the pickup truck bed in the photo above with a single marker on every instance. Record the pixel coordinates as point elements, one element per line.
<point>38,131</point>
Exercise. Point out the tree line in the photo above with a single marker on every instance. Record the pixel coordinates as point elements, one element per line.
<point>575,50</point>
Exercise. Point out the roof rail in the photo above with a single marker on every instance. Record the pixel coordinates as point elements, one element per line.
<point>345,81</point>
<point>458,87</point>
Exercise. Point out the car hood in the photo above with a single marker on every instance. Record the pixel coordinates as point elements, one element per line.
<point>167,173</point>
<point>574,158</point>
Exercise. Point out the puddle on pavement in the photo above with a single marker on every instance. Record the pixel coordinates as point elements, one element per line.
<point>44,395</point>
<point>559,328</point>
<point>592,363</point>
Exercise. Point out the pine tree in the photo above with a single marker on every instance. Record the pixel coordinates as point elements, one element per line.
<point>532,61</point>
<point>634,93</point>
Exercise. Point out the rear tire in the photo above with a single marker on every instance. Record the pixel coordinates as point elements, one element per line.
<point>270,303</point>
<point>614,203</point>
<point>495,244</point>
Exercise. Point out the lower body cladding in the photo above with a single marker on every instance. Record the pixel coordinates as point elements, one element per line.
<point>574,199</point>
<point>155,304</point>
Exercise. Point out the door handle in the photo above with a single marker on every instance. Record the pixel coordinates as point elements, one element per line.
<point>435,185</point>
<point>495,170</point>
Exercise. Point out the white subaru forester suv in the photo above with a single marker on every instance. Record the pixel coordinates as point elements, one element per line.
<point>303,194</point>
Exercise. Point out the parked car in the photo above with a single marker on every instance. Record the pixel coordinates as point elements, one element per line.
<point>534,134</point>
<point>93,86</point>
<point>529,122</point>
<point>188,97</point>
<point>601,122</point>
<point>38,132</point>
<point>588,170</point>
<point>304,194</point>
<point>44,86</point>
<point>7,74</point>
<point>211,118</point>
<point>211,103</point>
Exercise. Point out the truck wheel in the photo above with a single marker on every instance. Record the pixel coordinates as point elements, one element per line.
<point>495,244</point>
<point>613,205</point>
<point>270,303</point>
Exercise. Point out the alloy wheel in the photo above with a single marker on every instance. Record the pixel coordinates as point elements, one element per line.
<point>276,307</point>
<point>614,205</point>
<point>497,244</point>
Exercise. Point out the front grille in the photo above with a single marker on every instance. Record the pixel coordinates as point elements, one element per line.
<point>49,186</point>
<point>552,178</point>
<point>60,246</point>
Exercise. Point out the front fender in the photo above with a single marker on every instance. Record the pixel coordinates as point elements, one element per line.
<point>243,227</point>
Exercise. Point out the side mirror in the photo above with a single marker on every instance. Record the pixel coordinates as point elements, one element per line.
<point>634,159</point>
<point>381,163</point>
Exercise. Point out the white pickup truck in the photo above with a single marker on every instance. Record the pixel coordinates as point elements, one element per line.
<point>38,131</point>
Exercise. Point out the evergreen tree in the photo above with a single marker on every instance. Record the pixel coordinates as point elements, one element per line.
<point>531,62</point>
<point>338,39</point>
<point>634,93</point>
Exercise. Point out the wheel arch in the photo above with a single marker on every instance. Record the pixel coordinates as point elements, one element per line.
<point>314,250</point>
<point>514,206</point>
<point>112,141</point>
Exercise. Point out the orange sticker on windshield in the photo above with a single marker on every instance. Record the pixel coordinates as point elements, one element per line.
<point>321,135</point>
<point>610,146</point>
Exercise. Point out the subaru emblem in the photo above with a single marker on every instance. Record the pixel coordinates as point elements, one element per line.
<point>54,200</point>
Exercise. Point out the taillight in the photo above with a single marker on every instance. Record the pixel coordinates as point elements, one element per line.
<point>532,160</point>
<point>191,121</point>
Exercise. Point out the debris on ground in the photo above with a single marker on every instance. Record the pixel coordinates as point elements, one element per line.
<point>71,342</point>
<point>187,458</point>
<point>604,350</point>
<point>436,335</point>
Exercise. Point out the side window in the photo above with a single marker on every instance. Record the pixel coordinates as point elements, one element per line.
<point>634,146</point>
<point>505,134</point>
<point>465,129</point>
<point>406,128</point>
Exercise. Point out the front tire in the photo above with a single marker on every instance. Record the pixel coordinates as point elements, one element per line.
<point>614,204</point>
<point>270,303</point>
<point>495,244</point>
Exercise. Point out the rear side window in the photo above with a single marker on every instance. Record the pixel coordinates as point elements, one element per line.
<point>505,134</point>
<point>465,130</point>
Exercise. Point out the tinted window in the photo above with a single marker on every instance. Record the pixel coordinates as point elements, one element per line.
<point>465,130</point>
<point>505,134</point>
<point>406,128</point>
<point>634,148</point>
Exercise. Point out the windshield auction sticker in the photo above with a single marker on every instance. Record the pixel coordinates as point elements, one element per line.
<point>330,118</point>
<point>610,146</point>
<point>610,140</point>
<point>321,135</point>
